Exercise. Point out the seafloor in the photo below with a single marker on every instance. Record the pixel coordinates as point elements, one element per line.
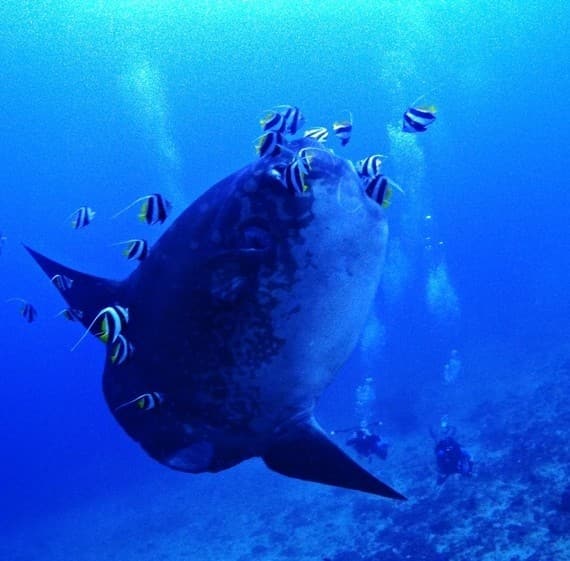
<point>515,508</point>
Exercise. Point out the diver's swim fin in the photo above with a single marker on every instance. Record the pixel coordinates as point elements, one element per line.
<point>86,293</point>
<point>305,452</point>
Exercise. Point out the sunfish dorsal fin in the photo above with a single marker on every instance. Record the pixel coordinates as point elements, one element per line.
<point>87,293</point>
<point>305,452</point>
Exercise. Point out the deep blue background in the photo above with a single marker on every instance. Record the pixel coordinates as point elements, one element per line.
<point>99,105</point>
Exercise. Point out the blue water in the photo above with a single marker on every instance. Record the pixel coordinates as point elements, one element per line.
<point>103,102</point>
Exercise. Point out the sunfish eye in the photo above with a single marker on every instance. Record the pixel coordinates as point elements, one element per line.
<point>256,237</point>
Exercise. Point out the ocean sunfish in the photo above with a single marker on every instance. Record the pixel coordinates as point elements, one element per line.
<point>224,337</point>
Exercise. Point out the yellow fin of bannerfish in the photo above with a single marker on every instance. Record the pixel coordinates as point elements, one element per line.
<point>129,248</point>
<point>304,184</point>
<point>143,211</point>
<point>259,142</point>
<point>266,118</point>
<point>115,355</point>
<point>429,108</point>
<point>387,197</point>
<point>104,335</point>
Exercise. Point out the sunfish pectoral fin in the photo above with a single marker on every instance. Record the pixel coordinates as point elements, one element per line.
<point>86,293</point>
<point>305,452</point>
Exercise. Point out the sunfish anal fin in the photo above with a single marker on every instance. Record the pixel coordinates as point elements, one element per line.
<point>304,451</point>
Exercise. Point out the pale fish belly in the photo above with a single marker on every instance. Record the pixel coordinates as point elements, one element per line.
<point>321,315</point>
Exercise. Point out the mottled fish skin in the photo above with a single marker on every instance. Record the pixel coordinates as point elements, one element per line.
<point>239,318</point>
<point>245,310</point>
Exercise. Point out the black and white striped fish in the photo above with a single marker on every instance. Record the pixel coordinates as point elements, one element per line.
<point>121,350</point>
<point>417,119</point>
<point>28,312</point>
<point>320,134</point>
<point>111,321</point>
<point>144,402</point>
<point>293,178</point>
<point>273,121</point>
<point>370,166</point>
<point>285,119</point>
<point>270,144</point>
<point>81,217</point>
<point>135,250</point>
<point>304,159</point>
<point>343,130</point>
<point>61,282</point>
<point>381,189</point>
<point>154,209</point>
<point>378,189</point>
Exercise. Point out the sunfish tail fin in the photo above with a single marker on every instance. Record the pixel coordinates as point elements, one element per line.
<point>304,451</point>
<point>85,293</point>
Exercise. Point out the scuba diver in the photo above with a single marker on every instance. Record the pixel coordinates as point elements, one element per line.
<point>450,456</point>
<point>365,442</point>
<point>368,444</point>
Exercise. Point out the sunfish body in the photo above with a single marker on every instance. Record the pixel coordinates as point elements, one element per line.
<point>240,316</point>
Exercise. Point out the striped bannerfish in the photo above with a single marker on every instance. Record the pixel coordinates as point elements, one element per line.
<point>81,217</point>
<point>154,209</point>
<point>273,121</point>
<point>378,189</point>
<point>135,250</point>
<point>343,130</point>
<point>269,144</point>
<point>28,312</point>
<point>61,282</point>
<point>417,119</point>
<point>113,320</point>
<point>283,119</point>
<point>370,166</point>
<point>304,159</point>
<point>121,350</point>
<point>144,402</point>
<point>293,177</point>
<point>320,134</point>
